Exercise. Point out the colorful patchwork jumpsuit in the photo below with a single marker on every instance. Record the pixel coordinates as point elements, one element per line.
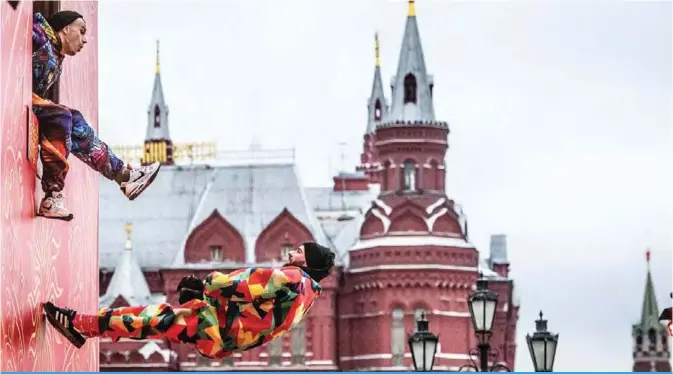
<point>241,310</point>
<point>64,130</point>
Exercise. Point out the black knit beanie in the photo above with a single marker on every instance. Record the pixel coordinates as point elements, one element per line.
<point>319,260</point>
<point>61,19</point>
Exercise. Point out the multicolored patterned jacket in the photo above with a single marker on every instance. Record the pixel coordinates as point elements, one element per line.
<point>254,306</point>
<point>47,58</point>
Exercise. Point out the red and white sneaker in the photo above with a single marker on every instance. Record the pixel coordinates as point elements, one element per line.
<point>53,207</point>
<point>139,180</point>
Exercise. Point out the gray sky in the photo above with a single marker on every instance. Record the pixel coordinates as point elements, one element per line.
<point>560,117</point>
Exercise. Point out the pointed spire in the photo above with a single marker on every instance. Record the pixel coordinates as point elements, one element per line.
<point>650,312</point>
<point>128,280</point>
<point>157,113</point>
<point>156,69</point>
<point>377,107</point>
<point>412,92</point>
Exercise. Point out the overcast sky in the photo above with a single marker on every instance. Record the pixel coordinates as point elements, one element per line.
<point>560,117</point>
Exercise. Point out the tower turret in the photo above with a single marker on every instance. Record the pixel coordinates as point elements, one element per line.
<point>158,144</point>
<point>651,351</point>
<point>412,256</point>
<point>410,144</point>
<point>377,110</point>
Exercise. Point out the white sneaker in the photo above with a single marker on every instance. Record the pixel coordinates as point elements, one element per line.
<point>54,208</point>
<point>140,179</point>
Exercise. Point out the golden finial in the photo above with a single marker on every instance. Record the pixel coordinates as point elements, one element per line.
<point>412,9</point>
<point>377,49</point>
<point>128,228</point>
<point>156,70</point>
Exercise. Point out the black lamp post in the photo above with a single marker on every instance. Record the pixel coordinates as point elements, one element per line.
<point>482,304</point>
<point>542,346</point>
<point>423,345</point>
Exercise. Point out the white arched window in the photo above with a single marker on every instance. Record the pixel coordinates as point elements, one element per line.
<point>409,176</point>
<point>397,337</point>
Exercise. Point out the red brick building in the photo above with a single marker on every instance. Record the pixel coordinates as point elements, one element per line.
<point>402,244</point>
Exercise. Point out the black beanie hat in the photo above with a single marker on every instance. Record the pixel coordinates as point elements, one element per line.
<point>319,260</point>
<point>61,19</point>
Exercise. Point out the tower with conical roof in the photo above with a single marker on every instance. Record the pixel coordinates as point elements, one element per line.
<point>377,110</point>
<point>128,286</point>
<point>158,144</point>
<point>651,350</point>
<point>413,256</point>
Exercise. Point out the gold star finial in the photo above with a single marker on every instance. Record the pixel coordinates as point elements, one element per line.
<point>128,228</point>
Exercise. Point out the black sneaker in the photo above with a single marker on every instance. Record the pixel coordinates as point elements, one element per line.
<point>62,319</point>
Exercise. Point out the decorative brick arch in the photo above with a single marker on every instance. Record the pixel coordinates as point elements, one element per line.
<point>214,231</point>
<point>408,217</point>
<point>285,229</point>
<point>447,224</point>
<point>372,224</point>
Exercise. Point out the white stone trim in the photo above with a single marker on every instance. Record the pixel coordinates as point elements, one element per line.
<point>381,204</point>
<point>434,205</point>
<point>414,267</point>
<point>410,241</point>
<point>384,220</point>
<point>430,221</point>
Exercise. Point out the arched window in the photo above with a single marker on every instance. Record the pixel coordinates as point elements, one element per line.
<point>377,110</point>
<point>298,338</point>
<point>409,176</point>
<point>215,253</point>
<point>410,89</point>
<point>397,337</point>
<point>157,116</point>
<point>652,336</point>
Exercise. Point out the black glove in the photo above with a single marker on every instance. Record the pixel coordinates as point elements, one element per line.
<point>191,282</point>
<point>187,294</point>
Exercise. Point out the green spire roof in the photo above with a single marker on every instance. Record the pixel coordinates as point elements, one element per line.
<point>650,313</point>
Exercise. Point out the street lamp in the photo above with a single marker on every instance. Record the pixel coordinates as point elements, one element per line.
<point>482,304</point>
<point>423,345</point>
<point>542,346</point>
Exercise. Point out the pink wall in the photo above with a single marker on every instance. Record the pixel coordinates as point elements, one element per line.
<point>44,259</point>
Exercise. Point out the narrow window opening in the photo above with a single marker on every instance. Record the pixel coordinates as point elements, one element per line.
<point>410,89</point>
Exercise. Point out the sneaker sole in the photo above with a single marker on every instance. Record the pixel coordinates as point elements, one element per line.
<point>76,341</point>
<point>66,218</point>
<point>149,182</point>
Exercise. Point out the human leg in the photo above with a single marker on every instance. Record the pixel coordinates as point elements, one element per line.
<point>92,151</point>
<point>55,125</point>
<point>138,322</point>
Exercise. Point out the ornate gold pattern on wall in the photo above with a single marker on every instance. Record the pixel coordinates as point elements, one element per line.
<point>44,259</point>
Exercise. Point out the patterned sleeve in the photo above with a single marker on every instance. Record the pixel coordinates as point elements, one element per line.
<point>39,33</point>
<point>253,284</point>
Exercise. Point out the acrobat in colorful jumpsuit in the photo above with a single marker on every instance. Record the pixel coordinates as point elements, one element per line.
<point>241,310</point>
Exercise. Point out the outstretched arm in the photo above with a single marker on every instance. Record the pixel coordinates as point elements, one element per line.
<point>253,284</point>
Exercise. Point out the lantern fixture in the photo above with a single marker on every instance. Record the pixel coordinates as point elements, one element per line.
<point>542,346</point>
<point>423,345</point>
